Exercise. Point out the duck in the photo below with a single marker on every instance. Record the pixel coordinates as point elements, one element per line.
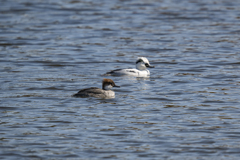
<point>141,70</point>
<point>104,93</point>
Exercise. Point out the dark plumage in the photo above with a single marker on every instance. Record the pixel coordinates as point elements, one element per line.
<point>112,71</point>
<point>88,92</point>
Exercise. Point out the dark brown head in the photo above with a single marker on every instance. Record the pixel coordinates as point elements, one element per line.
<point>107,84</point>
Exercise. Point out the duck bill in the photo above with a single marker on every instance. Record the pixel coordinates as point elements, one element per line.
<point>116,86</point>
<point>151,66</point>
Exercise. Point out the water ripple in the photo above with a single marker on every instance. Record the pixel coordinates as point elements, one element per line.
<point>187,109</point>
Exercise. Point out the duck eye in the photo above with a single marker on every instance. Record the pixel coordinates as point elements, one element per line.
<point>147,65</point>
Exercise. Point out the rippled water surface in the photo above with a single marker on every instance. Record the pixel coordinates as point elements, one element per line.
<point>188,109</point>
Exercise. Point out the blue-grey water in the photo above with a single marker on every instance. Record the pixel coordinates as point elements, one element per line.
<point>189,108</point>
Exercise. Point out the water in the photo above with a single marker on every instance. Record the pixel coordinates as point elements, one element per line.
<point>187,109</point>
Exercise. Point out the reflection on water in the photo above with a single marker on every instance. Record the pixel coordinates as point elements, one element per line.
<point>187,109</point>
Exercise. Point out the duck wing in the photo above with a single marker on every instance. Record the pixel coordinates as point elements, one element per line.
<point>122,71</point>
<point>88,92</point>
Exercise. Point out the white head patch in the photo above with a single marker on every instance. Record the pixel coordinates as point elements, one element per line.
<point>140,63</point>
<point>107,86</point>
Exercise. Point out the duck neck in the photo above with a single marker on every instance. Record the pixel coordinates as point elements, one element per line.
<point>140,67</point>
